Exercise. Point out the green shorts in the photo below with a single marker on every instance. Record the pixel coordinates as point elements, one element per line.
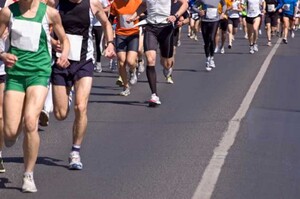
<point>21,83</point>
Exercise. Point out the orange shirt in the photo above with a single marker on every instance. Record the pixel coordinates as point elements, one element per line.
<point>123,9</point>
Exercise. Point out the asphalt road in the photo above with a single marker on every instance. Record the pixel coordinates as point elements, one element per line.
<point>132,151</point>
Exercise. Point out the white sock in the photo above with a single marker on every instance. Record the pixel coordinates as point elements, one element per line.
<point>0,154</point>
<point>28,174</point>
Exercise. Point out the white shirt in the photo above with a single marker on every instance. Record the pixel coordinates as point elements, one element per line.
<point>253,7</point>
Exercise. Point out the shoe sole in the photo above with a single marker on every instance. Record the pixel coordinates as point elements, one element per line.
<point>153,104</point>
<point>75,167</point>
<point>2,170</point>
<point>44,119</point>
<point>29,190</point>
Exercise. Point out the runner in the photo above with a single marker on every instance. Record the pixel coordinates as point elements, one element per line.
<point>253,20</point>
<point>98,36</point>
<point>28,69</point>
<point>288,8</point>
<point>233,20</point>
<point>209,26</point>
<point>159,30</point>
<point>127,40</point>
<point>76,19</point>
<point>271,18</point>
<point>222,29</point>
<point>194,21</point>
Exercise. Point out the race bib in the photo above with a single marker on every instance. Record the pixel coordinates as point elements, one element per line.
<point>286,7</point>
<point>25,35</point>
<point>124,23</point>
<point>75,47</point>
<point>271,7</point>
<point>211,13</point>
<point>195,16</point>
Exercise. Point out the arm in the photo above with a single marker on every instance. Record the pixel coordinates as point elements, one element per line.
<point>8,59</point>
<point>55,20</point>
<point>107,28</point>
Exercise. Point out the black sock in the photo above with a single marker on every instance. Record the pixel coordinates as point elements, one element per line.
<point>151,75</point>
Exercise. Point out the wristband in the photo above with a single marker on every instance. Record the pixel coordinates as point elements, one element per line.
<point>110,42</point>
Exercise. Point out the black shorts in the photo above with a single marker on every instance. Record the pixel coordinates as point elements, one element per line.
<point>161,35</point>
<point>250,20</point>
<point>68,76</point>
<point>223,24</point>
<point>271,18</point>
<point>127,43</point>
<point>234,21</point>
<point>176,36</point>
<point>2,78</point>
<point>288,16</point>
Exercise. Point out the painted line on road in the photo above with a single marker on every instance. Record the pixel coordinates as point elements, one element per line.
<point>211,174</point>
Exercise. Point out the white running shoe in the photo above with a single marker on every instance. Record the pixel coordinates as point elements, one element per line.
<point>125,92</point>
<point>255,47</point>
<point>133,77</point>
<point>28,184</point>
<point>154,100</point>
<point>222,50</point>
<point>216,49</point>
<point>251,50</point>
<point>292,33</point>
<point>207,67</point>
<point>74,161</point>
<point>141,66</point>
<point>212,63</point>
<point>98,67</point>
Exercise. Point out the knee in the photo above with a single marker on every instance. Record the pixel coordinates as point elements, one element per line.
<point>80,109</point>
<point>60,114</point>
<point>30,124</point>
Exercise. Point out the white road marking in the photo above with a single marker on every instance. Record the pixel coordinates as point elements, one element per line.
<point>211,174</point>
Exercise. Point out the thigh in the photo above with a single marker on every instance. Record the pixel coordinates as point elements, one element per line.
<point>34,101</point>
<point>12,110</point>
<point>150,39</point>
<point>165,40</point>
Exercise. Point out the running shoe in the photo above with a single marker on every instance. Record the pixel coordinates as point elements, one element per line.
<point>212,63</point>
<point>178,43</point>
<point>259,31</point>
<point>98,67</point>
<point>207,67</point>
<point>133,77</point>
<point>196,38</point>
<point>2,169</point>
<point>285,41</point>
<point>216,49</point>
<point>222,51</point>
<point>74,161</point>
<point>44,118</point>
<point>170,80</point>
<point>125,92</point>
<point>292,33</point>
<point>154,100</point>
<point>269,43</point>
<point>119,82</point>
<point>251,49</point>
<point>255,47</point>
<point>141,66</point>
<point>28,184</point>
<point>229,46</point>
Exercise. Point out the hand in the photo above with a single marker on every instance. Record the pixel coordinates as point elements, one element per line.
<point>63,61</point>
<point>202,13</point>
<point>171,18</point>
<point>9,59</point>
<point>110,51</point>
